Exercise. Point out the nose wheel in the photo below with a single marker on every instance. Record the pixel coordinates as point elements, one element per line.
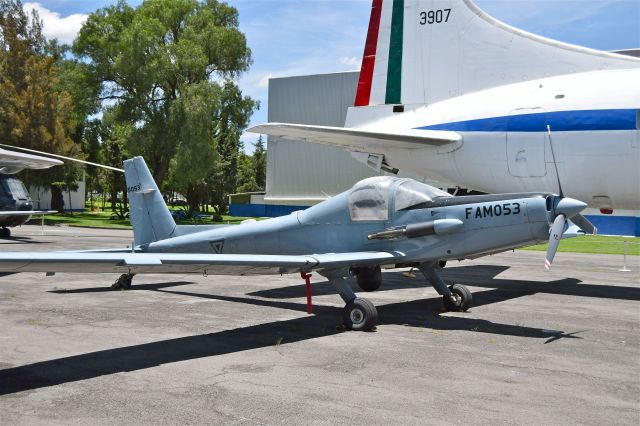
<point>360,315</point>
<point>456,298</point>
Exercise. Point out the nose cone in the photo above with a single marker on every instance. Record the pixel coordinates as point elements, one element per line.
<point>569,207</point>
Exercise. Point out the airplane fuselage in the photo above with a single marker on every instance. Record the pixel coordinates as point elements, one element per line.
<point>594,122</point>
<point>453,227</point>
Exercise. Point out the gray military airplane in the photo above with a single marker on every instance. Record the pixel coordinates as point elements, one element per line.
<point>379,221</point>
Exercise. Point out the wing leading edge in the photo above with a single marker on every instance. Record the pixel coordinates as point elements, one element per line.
<point>358,139</point>
<point>215,264</point>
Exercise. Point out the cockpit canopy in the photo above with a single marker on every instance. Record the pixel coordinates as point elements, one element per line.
<point>374,198</point>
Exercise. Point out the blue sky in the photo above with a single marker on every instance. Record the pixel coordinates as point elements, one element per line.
<point>297,37</point>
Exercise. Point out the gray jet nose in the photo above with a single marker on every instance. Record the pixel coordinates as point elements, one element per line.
<point>569,207</point>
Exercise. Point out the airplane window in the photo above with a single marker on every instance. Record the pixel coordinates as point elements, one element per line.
<point>412,193</point>
<point>17,188</point>
<point>369,199</point>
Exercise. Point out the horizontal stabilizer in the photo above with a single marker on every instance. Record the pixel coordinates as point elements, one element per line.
<point>184,263</point>
<point>358,139</point>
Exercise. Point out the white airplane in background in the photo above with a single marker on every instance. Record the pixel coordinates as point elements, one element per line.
<point>448,92</point>
<point>16,206</point>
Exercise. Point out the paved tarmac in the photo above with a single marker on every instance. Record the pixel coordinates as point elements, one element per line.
<point>538,347</point>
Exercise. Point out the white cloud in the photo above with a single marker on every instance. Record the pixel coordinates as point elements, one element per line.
<point>54,26</point>
<point>352,61</point>
<point>264,81</point>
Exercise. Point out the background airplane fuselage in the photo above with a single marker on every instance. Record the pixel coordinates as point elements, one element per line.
<point>594,122</point>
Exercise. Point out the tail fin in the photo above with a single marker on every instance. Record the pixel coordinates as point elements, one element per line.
<point>150,217</point>
<point>424,51</point>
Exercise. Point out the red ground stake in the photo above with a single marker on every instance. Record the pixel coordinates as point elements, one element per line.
<point>307,278</point>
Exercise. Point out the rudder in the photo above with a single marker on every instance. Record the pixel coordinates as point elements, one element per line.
<point>424,51</point>
<point>150,216</point>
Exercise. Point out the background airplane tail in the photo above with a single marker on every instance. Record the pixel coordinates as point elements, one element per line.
<point>150,217</point>
<point>424,51</point>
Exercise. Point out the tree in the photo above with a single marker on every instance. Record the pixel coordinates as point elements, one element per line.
<point>232,119</point>
<point>164,68</point>
<point>260,164</point>
<point>35,112</point>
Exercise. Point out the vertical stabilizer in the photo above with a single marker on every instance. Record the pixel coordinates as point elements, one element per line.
<point>150,217</point>
<point>424,51</point>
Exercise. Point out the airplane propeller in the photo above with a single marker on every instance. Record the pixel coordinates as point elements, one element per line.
<point>584,224</point>
<point>564,208</point>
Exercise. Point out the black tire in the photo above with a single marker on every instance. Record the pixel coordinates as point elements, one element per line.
<point>442,264</point>
<point>369,279</point>
<point>5,233</point>
<point>462,294</point>
<point>360,315</point>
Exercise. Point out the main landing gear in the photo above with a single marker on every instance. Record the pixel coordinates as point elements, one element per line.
<point>369,279</point>
<point>123,282</point>
<point>359,313</point>
<point>456,298</point>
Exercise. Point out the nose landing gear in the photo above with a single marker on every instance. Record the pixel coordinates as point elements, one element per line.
<point>455,298</point>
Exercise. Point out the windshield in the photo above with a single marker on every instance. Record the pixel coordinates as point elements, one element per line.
<point>369,199</point>
<point>16,187</point>
<point>412,193</point>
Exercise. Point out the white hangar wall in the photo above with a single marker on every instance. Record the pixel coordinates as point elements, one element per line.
<point>302,173</point>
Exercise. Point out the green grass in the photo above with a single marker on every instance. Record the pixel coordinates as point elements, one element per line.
<point>104,220</point>
<point>597,244</point>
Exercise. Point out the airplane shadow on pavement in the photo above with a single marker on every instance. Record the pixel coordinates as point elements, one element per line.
<point>474,276</point>
<point>417,313</point>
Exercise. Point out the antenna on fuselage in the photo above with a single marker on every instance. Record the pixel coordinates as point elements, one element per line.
<point>555,164</point>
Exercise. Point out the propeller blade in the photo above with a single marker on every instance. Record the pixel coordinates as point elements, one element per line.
<point>554,239</point>
<point>584,224</point>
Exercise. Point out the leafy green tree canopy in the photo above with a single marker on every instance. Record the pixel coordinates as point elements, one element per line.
<point>163,67</point>
<point>35,110</point>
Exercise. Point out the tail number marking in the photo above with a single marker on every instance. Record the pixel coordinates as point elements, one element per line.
<point>495,210</point>
<point>134,188</point>
<point>434,16</point>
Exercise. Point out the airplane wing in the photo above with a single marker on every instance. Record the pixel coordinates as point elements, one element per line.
<point>25,212</point>
<point>184,263</point>
<point>12,162</point>
<point>358,139</point>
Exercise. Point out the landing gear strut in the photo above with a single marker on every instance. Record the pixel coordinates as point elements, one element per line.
<point>5,233</point>
<point>455,298</point>
<point>123,282</point>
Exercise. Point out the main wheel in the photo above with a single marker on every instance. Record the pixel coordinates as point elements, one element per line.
<point>463,299</point>
<point>5,233</point>
<point>360,315</point>
<point>369,279</point>
<point>442,264</point>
